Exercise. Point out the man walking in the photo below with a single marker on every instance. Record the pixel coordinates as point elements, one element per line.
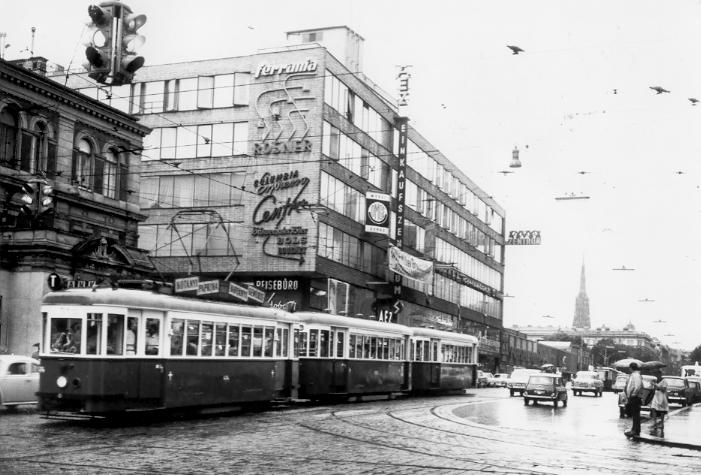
<point>634,389</point>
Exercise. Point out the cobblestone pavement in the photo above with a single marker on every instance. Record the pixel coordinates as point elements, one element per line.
<point>424,435</point>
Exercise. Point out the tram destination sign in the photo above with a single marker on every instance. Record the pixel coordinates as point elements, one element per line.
<point>186,284</point>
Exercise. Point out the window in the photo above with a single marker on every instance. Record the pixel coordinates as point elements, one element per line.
<point>205,92</point>
<point>153,342</point>
<point>8,137</point>
<point>242,83</point>
<point>187,94</point>
<point>177,326</point>
<point>83,163</point>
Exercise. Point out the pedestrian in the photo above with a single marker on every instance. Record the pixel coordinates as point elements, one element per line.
<point>659,408</point>
<point>633,391</point>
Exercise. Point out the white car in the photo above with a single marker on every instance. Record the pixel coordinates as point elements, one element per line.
<point>19,380</point>
<point>499,380</point>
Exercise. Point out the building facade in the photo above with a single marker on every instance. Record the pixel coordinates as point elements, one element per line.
<point>257,174</point>
<point>69,189</point>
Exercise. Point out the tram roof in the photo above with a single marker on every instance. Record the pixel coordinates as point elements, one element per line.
<point>132,298</point>
<point>444,335</point>
<point>321,318</point>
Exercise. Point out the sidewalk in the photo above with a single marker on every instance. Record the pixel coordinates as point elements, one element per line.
<point>681,429</point>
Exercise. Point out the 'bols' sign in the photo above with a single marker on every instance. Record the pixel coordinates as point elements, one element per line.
<point>271,209</point>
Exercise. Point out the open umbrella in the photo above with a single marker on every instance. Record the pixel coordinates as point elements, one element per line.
<point>625,363</point>
<point>653,365</point>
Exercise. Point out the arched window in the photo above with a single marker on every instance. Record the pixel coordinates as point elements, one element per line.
<point>106,174</point>
<point>8,137</point>
<point>82,165</point>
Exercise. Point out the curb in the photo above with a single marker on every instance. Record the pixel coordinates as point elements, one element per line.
<point>667,442</point>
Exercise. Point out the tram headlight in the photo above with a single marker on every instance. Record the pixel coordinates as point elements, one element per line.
<point>61,382</point>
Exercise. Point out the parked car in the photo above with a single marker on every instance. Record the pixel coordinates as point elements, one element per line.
<point>620,384</point>
<point>646,396</point>
<point>483,378</point>
<point>587,382</point>
<point>19,380</point>
<point>518,379</point>
<point>499,380</point>
<point>545,387</point>
<point>678,391</point>
<point>694,388</point>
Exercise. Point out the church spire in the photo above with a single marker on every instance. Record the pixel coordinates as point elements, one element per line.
<point>581,306</point>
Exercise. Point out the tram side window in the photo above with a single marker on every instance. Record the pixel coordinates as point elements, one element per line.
<point>132,334</point>
<point>426,351</point>
<point>220,339</point>
<point>234,334</point>
<point>392,346</point>
<point>313,342</point>
<point>285,342</point>
<point>269,339</point>
<point>93,334</point>
<point>177,327</point>
<point>257,341</point>
<point>373,348</point>
<point>402,350</point>
<point>65,335</point>
<point>366,347</point>
<point>153,327</point>
<point>340,339</point>
<point>192,337</point>
<point>385,348</point>
<point>302,344</point>
<point>115,334</point>
<point>246,333</point>
<point>206,339</point>
<point>278,338</point>
<point>324,343</point>
<point>434,352</point>
<point>351,346</point>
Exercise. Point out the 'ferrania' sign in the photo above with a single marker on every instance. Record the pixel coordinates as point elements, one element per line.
<point>307,66</point>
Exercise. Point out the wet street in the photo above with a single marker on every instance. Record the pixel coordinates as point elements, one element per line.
<point>484,431</point>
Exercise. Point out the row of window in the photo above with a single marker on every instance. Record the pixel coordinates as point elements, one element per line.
<point>31,149</point>
<point>425,350</point>
<point>342,198</point>
<point>465,263</point>
<point>186,191</point>
<point>104,173</point>
<point>356,111</point>
<point>203,92</point>
<point>341,247</point>
<point>452,291</point>
<point>190,239</point>
<point>191,141</point>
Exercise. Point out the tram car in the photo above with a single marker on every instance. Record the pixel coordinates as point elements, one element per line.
<point>108,352</point>
<point>343,357</point>
<point>442,361</point>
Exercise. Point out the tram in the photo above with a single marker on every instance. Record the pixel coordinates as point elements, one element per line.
<point>342,357</point>
<point>442,361</point>
<point>110,352</point>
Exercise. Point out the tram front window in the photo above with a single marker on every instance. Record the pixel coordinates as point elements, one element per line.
<point>93,332</point>
<point>65,335</point>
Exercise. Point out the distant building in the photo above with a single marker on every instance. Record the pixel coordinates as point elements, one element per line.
<point>581,306</point>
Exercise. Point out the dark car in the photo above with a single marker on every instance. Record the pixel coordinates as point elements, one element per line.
<point>678,391</point>
<point>545,387</point>
<point>695,387</point>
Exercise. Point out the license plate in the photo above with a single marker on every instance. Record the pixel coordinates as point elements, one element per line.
<point>540,392</point>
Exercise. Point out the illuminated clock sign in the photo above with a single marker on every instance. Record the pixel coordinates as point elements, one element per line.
<point>377,213</point>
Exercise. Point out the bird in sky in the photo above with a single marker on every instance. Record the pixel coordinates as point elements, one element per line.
<point>582,172</point>
<point>658,89</point>
<point>659,321</point>
<point>646,300</point>
<point>693,101</point>
<point>548,316</point>
<point>669,334</point>
<point>515,49</point>
<point>623,268</point>
<point>679,172</point>
<point>505,172</point>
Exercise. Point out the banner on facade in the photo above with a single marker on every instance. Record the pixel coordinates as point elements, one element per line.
<point>377,213</point>
<point>410,266</point>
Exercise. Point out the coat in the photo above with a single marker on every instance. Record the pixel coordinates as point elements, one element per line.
<point>659,400</point>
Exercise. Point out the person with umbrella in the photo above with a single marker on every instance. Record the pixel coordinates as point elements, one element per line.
<point>659,405</point>
<point>633,392</point>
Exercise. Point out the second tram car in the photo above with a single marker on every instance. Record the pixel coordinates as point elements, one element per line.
<point>442,361</point>
<point>109,352</point>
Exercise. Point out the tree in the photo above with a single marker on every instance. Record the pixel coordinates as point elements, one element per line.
<point>695,354</point>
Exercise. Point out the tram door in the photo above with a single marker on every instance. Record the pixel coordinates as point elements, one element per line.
<point>434,358</point>
<point>340,364</point>
<point>151,371</point>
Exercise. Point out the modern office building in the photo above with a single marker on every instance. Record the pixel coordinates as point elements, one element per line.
<point>260,172</point>
<point>68,196</point>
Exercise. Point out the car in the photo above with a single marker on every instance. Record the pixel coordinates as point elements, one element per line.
<point>19,380</point>
<point>646,396</point>
<point>695,387</point>
<point>483,378</point>
<point>518,379</point>
<point>620,384</point>
<point>499,380</point>
<point>678,391</point>
<point>545,387</point>
<point>587,382</point>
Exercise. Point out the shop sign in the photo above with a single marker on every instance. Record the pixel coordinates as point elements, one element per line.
<point>377,212</point>
<point>255,294</point>
<point>282,242</point>
<point>208,287</point>
<point>185,284</point>
<point>238,292</point>
<point>278,284</point>
<point>273,148</point>
<point>403,77</point>
<point>54,281</point>
<point>487,345</point>
<point>523,238</point>
<point>80,284</point>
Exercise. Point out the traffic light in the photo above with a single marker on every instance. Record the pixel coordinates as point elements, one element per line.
<point>100,51</point>
<point>130,42</point>
<point>37,201</point>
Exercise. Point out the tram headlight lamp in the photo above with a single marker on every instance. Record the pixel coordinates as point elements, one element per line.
<point>61,382</point>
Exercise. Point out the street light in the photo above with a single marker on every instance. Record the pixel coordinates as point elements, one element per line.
<point>606,356</point>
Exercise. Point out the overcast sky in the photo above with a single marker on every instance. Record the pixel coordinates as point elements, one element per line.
<point>578,99</point>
